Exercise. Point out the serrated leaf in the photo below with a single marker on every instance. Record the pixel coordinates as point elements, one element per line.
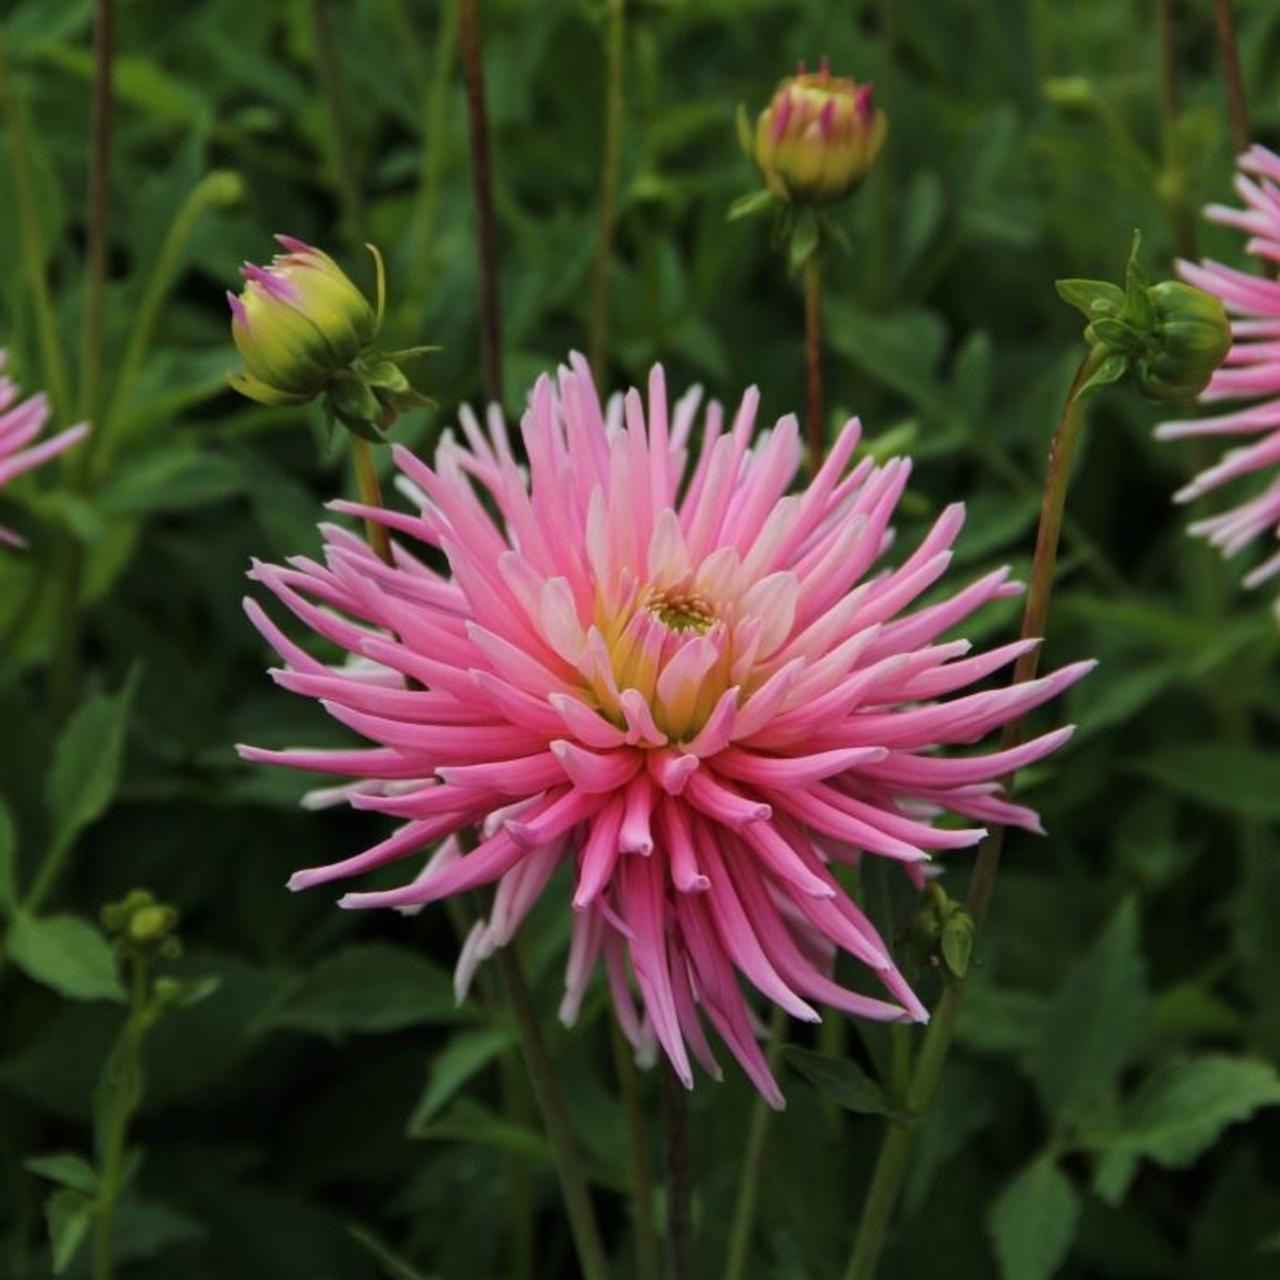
<point>1034,1221</point>
<point>460,1059</point>
<point>64,953</point>
<point>365,989</point>
<point>1179,1111</point>
<point>839,1080</point>
<point>67,1170</point>
<point>1095,1021</point>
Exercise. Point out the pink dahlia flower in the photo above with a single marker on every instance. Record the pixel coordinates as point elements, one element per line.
<point>691,688</point>
<point>20,424</point>
<point>1251,370</point>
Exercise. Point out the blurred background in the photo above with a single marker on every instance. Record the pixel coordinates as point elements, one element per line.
<point>324,1111</point>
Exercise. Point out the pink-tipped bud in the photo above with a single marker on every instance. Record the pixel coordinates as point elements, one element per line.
<point>818,137</point>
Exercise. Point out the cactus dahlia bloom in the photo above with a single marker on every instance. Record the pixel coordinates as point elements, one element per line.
<point>20,424</point>
<point>1251,371</point>
<point>644,660</point>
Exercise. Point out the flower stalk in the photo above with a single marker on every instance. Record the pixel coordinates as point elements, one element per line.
<point>615,68</point>
<point>675,1124</point>
<point>1233,78</point>
<point>647,1265</point>
<point>813,361</point>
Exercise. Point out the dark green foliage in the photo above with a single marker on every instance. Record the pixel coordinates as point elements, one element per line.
<point>324,1111</point>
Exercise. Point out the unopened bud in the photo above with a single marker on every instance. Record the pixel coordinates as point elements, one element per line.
<point>817,138</point>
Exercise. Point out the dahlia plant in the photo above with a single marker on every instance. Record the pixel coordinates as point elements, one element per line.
<point>1251,371</point>
<point>658,668</point>
<point>20,423</point>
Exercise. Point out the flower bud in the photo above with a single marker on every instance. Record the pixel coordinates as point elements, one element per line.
<point>141,925</point>
<point>818,137</point>
<point>1193,336</point>
<point>1171,336</point>
<point>296,324</point>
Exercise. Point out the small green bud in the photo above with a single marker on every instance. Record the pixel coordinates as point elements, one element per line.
<point>957,942</point>
<point>153,924</point>
<point>141,925</point>
<point>1170,336</point>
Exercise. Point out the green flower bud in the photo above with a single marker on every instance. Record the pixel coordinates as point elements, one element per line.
<point>296,324</point>
<point>141,925</point>
<point>1171,336</point>
<point>817,139</point>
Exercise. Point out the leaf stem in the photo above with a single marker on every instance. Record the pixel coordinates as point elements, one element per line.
<point>891,1164</point>
<point>555,1116</point>
<point>615,62</point>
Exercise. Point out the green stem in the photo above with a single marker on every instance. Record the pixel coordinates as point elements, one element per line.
<point>434,150</point>
<point>35,253</point>
<point>124,1085</point>
<point>675,1124</point>
<point>615,49</point>
<point>213,189</point>
<point>891,1164</point>
<point>555,1117</point>
<point>371,495</point>
<point>744,1213</point>
<point>328,72</point>
<point>813,362</point>
<point>641,1188</point>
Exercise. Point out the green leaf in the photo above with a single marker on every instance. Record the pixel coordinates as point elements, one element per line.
<point>749,205</point>
<point>803,242</point>
<point>1237,779</point>
<point>998,1020</point>
<point>86,765</point>
<point>457,1062</point>
<point>1112,1176</point>
<point>64,953</point>
<point>1180,1110</point>
<point>473,1124</point>
<point>365,989</point>
<point>1112,369</point>
<point>839,1079</point>
<point>8,862</point>
<point>173,479</point>
<point>66,1170</point>
<point>1095,1021</point>
<point>1034,1221</point>
<point>68,1214</point>
<point>1094,298</point>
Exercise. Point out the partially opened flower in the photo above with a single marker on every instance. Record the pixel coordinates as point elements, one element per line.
<point>650,664</point>
<point>20,424</point>
<point>1251,371</point>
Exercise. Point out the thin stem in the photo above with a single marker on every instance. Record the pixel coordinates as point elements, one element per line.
<point>35,253</point>
<point>676,1127</point>
<point>371,495</point>
<point>813,362</point>
<point>123,1083</point>
<point>1175,173</point>
<point>1237,103</point>
<point>434,151</point>
<point>99,208</point>
<point>744,1213</point>
<point>641,1188</point>
<point>891,1164</point>
<point>555,1117</point>
<point>214,188</point>
<point>71,551</point>
<point>482,189</point>
<point>328,72</point>
<point>615,63</point>
<point>881,179</point>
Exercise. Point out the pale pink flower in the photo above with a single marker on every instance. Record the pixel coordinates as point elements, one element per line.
<point>20,424</point>
<point>1251,370</point>
<point>696,690</point>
